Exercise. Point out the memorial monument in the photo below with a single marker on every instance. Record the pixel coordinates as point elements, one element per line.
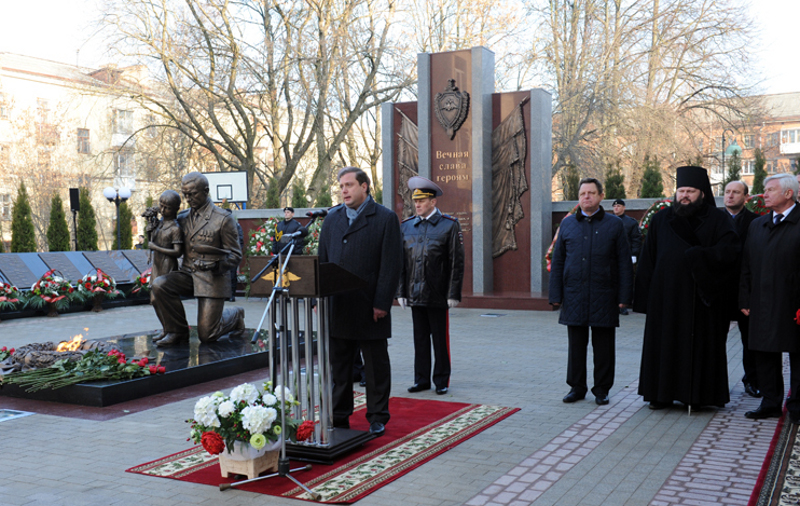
<point>491,153</point>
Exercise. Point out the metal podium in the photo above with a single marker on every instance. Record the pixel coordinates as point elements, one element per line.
<point>292,323</point>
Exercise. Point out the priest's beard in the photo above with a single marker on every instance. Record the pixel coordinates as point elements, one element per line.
<point>688,210</point>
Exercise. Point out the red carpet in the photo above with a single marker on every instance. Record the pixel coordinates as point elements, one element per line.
<point>781,461</point>
<point>418,431</point>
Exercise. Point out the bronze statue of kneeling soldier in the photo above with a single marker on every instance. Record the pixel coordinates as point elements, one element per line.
<point>210,250</point>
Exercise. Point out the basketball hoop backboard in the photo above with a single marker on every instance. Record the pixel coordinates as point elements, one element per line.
<point>230,186</point>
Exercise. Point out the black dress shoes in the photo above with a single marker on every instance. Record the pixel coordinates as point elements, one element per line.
<point>573,396</point>
<point>377,429</point>
<point>794,417</point>
<point>761,413</point>
<point>655,405</point>
<point>751,390</point>
<point>362,383</point>
<point>441,391</point>
<point>601,401</point>
<point>416,387</point>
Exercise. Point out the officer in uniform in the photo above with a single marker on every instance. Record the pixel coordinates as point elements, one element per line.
<point>288,226</point>
<point>430,282</point>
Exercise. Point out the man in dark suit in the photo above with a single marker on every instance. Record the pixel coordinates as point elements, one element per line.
<point>769,295</point>
<point>211,250</point>
<point>364,238</point>
<point>632,232</point>
<point>735,196</point>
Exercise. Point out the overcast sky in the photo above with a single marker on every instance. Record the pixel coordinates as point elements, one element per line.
<point>56,29</point>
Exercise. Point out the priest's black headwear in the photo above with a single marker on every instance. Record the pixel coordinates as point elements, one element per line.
<point>696,177</point>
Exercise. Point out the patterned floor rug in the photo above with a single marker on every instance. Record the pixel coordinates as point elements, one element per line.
<point>779,481</point>
<point>418,431</point>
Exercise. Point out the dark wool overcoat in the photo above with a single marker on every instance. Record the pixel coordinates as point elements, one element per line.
<point>742,223</point>
<point>633,233</point>
<point>591,273</point>
<point>685,270</point>
<point>370,248</point>
<point>770,283</point>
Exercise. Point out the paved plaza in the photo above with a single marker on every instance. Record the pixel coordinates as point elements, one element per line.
<point>548,453</point>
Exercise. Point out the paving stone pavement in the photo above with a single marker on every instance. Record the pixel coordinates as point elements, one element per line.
<point>547,453</point>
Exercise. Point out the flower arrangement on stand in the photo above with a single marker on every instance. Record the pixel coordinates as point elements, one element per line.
<point>755,203</point>
<point>54,291</point>
<point>9,296</point>
<point>97,287</point>
<point>548,257</point>
<point>142,282</point>
<point>312,240</point>
<point>658,205</point>
<point>262,238</point>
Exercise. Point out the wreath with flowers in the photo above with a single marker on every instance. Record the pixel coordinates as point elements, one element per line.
<point>142,282</point>
<point>9,296</point>
<point>100,283</point>
<point>658,205</point>
<point>262,238</point>
<point>53,289</point>
<point>312,239</point>
<point>755,203</point>
<point>549,256</point>
<point>249,415</point>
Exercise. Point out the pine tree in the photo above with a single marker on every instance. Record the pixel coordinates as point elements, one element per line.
<point>298,195</point>
<point>377,192</point>
<point>273,199</point>
<point>572,186</point>
<point>759,173</point>
<point>57,230</point>
<point>734,169</point>
<point>615,183</point>
<point>23,235</point>
<point>125,228</point>
<point>324,198</point>
<point>87,223</point>
<point>652,184</point>
<point>2,247</point>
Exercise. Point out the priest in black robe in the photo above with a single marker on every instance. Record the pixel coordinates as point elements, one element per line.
<point>687,265</point>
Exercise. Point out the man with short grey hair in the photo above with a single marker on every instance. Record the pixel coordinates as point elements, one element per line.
<point>769,295</point>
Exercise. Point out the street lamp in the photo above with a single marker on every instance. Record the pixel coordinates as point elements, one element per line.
<point>731,150</point>
<point>117,197</point>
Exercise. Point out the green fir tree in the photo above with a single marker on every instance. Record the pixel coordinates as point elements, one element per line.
<point>759,172</point>
<point>652,184</point>
<point>23,235</point>
<point>2,245</point>
<point>125,228</point>
<point>298,195</point>
<point>377,192</point>
<point>57,229</point>
<point>87,223</point>
<point>734,169</point>
<point>572,183</point>
<point>273,199</point>
<point>324,198</point>
<point>615,183</point>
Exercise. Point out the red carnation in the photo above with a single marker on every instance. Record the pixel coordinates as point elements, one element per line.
<point>305,431</point>
<point>796,318</point>
<point>153,369</point>
<point>212,442</point>
<point>121,361</point>
<point>161,369</point>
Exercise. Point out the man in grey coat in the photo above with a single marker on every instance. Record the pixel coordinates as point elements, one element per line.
<point>364,238</point>
<point>769,294</point>
<point>591,279</point>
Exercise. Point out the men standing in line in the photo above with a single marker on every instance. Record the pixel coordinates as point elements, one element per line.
<point>591,279</point>
<point>735,196</point>
<point>430,282</point>
<point>364,238</point>
<point>210,250</point>
<point>770,295</point>
<point>686,269</point>
<point>288,226</point>
<point>632,232</point>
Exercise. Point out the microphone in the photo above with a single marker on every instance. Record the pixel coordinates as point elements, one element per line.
<point>317,214</point>
<point>300,233</point>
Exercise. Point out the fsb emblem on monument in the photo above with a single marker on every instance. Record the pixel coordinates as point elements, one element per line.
<point>451,108</point>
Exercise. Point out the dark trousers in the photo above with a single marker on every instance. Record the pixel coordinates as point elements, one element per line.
<point>770,377</point>
<point>604,357</point>
<point>213,320</point>
<point>748,356</point>
<point>377,371</point>
<point>431,325</point>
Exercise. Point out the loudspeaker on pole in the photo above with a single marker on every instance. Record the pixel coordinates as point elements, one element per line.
<point>74,199</point>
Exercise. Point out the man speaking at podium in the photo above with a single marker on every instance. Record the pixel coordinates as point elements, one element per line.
<point>362,237</point>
